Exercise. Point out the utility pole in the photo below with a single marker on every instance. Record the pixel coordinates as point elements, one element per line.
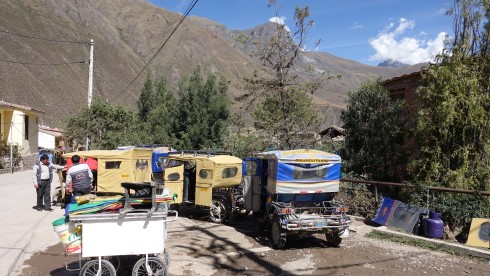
<point>90,79</point>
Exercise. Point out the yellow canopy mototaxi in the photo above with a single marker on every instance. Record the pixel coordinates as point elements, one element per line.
<point>117,166</point>
<point>204,180</point>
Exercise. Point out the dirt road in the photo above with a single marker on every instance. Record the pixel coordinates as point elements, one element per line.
<point>198,247</point>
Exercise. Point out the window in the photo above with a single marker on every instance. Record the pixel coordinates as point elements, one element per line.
<point>251,167</point>
<point>205,174</point>
<point>310,173</point>
<point>397,94</point>
<point>162,162</point>
<point>229,172</point>
<point>110,165</point>
<point>173,177</point>
<point>26,127</point>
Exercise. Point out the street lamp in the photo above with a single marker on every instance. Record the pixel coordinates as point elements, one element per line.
<point>11,142</point>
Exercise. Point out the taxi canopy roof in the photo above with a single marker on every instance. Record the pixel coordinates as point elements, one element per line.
<point>301,156</point>
<point>216,159</point>
<point>129,154</point>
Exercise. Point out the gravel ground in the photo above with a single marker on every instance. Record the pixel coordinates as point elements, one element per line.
<point>198,247</point>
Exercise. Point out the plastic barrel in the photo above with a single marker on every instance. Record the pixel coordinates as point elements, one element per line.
<point>434,226</point>
<point>69,235</point>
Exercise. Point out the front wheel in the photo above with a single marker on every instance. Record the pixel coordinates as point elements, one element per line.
<point>91,268</point>
<point>218,211</point>
<point>155,264</point>
<point>333,238</point>
<point>278,234</point>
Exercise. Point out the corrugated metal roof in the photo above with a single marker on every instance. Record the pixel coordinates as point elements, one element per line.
<point>23,108</point>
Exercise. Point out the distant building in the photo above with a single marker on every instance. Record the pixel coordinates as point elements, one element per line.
<point>404,87</point>
<point>19,127</point>
<point>334,132</point>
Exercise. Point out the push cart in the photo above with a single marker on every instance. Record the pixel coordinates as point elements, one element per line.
<point>106,235</point>
<point>141,232</point>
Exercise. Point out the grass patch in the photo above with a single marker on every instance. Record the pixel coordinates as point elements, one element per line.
<point>421,243</point>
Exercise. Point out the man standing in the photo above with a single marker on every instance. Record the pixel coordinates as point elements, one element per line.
<point>80,176</point>
<point>42,176</point>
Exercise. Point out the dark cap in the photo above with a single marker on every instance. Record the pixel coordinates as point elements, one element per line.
<point>44,157</point>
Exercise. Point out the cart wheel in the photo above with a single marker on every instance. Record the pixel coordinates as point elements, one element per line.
<point>157,266</point>
<point>91,268</point>
<point>218,211</point>
<point>333,238</point>
<point>278,234</point>
<point>115,261</point>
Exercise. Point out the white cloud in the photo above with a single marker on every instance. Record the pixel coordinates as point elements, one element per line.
<point>404,25</point>
<point>357,25</point>
<point>410,50</point>
<point>281,21</point>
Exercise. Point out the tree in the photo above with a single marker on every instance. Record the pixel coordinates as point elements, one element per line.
<point>374,139</point>
<point>286,116</point>
<point>453,130</point>
<point>161,119</point>
<point>203,115</point>
<point>147,99</point>
<point>284,106</point>
<point>107,126</point>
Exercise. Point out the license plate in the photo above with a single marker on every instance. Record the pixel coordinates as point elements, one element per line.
<point>320,223</point>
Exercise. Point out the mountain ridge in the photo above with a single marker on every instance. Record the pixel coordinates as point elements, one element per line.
<point>127,34</point>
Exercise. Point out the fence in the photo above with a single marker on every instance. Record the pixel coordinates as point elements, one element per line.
<point>365,202</point>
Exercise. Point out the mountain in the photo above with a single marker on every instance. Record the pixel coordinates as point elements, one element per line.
<point>392,63</point>
<point>127,33</point>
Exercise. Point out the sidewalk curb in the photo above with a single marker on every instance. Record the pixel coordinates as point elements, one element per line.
<point>475,252</point>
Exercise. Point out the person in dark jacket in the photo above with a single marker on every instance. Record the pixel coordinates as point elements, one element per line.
<point>42,176</point>
<point>80,177</point>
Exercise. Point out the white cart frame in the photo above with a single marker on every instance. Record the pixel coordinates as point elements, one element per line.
<point>115,234</point>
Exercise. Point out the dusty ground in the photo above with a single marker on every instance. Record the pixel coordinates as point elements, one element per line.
<point>198,247</point>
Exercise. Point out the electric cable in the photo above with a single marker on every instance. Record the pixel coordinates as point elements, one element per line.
<point>44,39</point>
<point>41,64</point>
<point>189,9</point>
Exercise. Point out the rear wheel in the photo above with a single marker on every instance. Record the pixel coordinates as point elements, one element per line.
<point>278,234</point>
<point>155,264</point>
<point>333,238</point>
<point>218,211</point>
<point>91,268</point>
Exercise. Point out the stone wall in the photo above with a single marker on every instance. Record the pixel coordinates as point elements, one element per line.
<point>28,161</point>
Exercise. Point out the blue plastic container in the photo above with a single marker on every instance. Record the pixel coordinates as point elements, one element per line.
<point>434,226</point>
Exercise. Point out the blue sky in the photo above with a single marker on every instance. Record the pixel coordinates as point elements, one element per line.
<point>369,32</point>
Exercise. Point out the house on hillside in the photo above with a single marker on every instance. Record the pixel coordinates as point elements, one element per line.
<point>404,87</point>
<point>19,127</point>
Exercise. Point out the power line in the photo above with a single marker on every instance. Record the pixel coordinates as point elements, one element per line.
<point>31,63</point>
<point>189,9</point>
<point>44,39</point>
<point>80,17</point>
<point>97,80</point>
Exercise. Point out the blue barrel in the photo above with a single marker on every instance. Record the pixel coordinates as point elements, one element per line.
<point>434,226</point>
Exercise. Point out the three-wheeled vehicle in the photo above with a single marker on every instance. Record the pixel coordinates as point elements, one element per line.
<point>292,192</point>
<point>204,180</point>
<point>117,166</point>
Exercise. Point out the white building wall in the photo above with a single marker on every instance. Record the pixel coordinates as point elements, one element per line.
<point>46,141</point>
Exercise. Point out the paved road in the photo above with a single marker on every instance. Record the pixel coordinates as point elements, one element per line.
<point>23,230</point>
